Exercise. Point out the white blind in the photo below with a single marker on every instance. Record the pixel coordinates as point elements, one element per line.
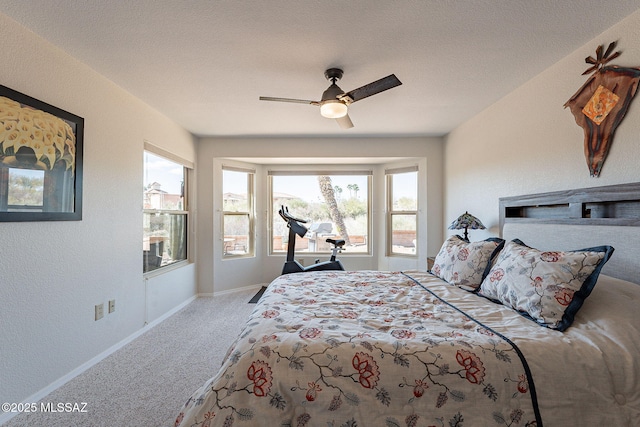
<point>403,169</point>
<point>167,155</point>
<point>238,169</point>
<point>319,172</point>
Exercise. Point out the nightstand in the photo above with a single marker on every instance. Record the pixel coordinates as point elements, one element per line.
<point>430,261</point>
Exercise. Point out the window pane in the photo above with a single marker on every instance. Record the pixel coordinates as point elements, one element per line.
<point>336,206</point>
<point>237,215</point>
<point>405,191</point>
<point>234,191</point>
<point>164,218</point>
<point>236,234</point>
<point>26,190</point>
<point>163,183</point>
<point>165,240</point>
<point>403,234</point>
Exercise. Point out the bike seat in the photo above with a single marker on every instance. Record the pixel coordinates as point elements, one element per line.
<point>338,243</point>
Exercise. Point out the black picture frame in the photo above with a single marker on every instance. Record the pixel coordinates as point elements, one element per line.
<point>40,139</point>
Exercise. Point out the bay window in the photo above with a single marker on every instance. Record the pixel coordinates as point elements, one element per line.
<point>237,211</point>
<point>336,204</point>
<point>402,210</point>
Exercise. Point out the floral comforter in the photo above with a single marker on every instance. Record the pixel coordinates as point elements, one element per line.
<point>365,348</point>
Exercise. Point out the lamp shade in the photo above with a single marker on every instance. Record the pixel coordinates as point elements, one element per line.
<point>333,109</point>
<point>330,106</point>
<point>466,221</point>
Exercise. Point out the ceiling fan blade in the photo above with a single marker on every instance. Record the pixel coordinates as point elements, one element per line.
<point>345,122</point>
<point>372,88</point>
<point>297,101</point>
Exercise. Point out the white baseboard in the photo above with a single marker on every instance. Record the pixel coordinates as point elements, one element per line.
<point>231,291</point>
<point>36,397</point>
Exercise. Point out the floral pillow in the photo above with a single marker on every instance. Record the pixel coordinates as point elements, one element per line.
<point>549,287</point>
<point>463,263</point>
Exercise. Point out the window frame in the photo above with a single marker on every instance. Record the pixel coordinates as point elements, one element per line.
<point>250,213</point>
<point>188,169</point>
<point>389,174</point>
<point>315,172</point>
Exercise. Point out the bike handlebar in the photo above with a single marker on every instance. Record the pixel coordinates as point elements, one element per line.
<point>284,213</point>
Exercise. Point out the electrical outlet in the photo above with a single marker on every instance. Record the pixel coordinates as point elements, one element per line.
<point>99,311</point>
<point>112,305</point>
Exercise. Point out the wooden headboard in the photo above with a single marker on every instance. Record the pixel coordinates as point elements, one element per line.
<point>581,218</point>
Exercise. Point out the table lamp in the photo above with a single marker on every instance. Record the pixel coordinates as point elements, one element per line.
<point>466,221</point>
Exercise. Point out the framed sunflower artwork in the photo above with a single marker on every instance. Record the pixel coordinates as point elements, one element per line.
<point>40,160</point>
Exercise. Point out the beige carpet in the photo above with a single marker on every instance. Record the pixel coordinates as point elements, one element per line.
<point>146,382</point>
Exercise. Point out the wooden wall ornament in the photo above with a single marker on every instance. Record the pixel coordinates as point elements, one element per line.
<point>601,103</point>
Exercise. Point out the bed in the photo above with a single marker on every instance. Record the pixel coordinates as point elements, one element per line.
<point>452,347</point>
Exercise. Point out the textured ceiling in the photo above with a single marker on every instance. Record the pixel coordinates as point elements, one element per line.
<point>204,63</point>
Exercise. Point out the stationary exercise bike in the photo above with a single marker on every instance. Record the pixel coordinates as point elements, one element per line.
<point>293,266</point>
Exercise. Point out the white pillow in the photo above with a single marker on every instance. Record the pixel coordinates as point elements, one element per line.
<point>548,287</point>
<point>463,263</point>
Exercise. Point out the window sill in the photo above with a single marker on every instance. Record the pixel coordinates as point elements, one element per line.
<point>409,256</point>
<point>235,257</point>
<point>166,269</point>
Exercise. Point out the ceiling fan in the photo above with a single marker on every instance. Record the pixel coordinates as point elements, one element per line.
<point>334,103</point>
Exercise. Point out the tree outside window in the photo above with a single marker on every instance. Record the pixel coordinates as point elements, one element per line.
<point>336,204</point>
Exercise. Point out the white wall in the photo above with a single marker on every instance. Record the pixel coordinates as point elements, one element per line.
<point>528,143</point>
<point>215,275</point>
<point>52,274</point>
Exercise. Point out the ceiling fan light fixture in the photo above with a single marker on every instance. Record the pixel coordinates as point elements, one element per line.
<point>334,103</point>
<point>333,109</point>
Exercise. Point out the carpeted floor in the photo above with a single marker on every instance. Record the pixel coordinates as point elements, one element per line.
<point>258,295</point>
<point>146,382</point>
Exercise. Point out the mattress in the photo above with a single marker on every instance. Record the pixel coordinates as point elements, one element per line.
<point>371,348</point>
